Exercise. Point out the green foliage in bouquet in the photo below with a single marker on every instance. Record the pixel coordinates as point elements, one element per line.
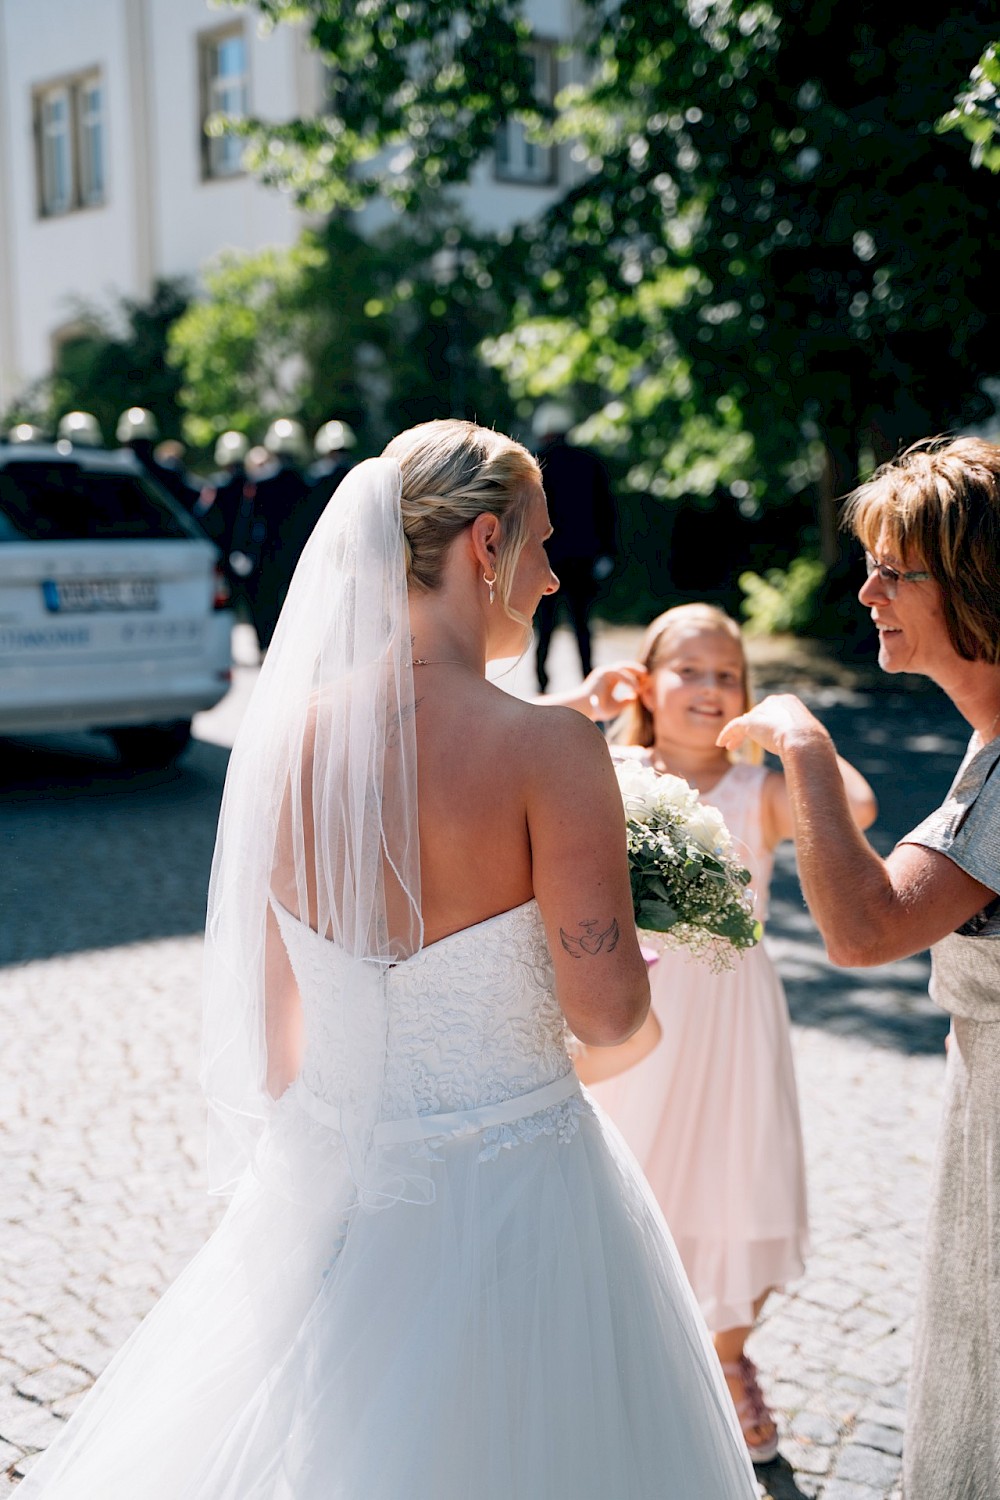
<point>688,889</point>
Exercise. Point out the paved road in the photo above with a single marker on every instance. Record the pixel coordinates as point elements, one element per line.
<point>102,882</point>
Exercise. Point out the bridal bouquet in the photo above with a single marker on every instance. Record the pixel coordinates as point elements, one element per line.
<point>688,888</point>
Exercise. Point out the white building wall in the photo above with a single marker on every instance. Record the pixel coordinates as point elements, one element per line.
<point>160,217</point>
<point>57,262</point>
<point>197,217</point>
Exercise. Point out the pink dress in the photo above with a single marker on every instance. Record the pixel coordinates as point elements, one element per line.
<point>712,1113</point>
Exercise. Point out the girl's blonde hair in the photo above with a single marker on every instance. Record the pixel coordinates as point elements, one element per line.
<point>634,725</point>
<point>454,471</point>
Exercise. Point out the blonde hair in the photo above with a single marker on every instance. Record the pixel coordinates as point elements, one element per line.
<point>454,471</point>
<point>938,506</point>
<point>634,725</point>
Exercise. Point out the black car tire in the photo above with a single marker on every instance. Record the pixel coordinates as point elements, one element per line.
<point>151,747</point>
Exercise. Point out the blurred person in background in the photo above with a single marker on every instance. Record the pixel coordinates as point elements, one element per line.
<point>137,430</point>
<point>218,504</point>
<point>25,432</point>
<point>266,537</point>
<point>582,546</point>
<point>168,457</point>
<point>332,445</point>
<point>81,429</point>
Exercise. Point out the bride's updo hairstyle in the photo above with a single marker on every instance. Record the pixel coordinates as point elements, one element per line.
<point>634,725</point>
<point>937,507</point>
<point>454,471</point>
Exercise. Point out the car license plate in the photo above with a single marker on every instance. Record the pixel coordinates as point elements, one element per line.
<point>88,595</point>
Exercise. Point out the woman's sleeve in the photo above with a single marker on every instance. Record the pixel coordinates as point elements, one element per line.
<point>966,827</point>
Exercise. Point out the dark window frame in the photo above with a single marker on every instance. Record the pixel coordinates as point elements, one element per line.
<point>73,87</point>
<point>209,146</point>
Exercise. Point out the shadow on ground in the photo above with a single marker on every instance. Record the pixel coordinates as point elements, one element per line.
<point>779,1481</point>
<point>908,744</point>
<point>93,855</point>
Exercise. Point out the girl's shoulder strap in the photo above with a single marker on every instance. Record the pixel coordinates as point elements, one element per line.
<point>630,752</point>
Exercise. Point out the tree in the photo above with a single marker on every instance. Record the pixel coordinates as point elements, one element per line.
<point>242,346</point>
<point>977,110</point>
<point>381,332</point>
<point>118,359</point>
<point>768,232</point>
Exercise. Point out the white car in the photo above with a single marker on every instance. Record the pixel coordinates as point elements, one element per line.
<point>113,606</point>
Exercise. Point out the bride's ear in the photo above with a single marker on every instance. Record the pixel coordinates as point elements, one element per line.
<point>644,690</point>
<point>484,535</point>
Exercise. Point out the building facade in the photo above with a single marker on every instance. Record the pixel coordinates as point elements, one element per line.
<point>109,179</point>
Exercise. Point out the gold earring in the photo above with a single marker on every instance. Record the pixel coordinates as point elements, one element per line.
<point>491,583</point>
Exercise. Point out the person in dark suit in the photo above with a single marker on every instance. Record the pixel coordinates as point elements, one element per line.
<point>332,445</point>
<point>218,504</point>
<point>272,513</point>
<point>582,545</point>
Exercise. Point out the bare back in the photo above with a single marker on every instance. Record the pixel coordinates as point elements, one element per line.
<point>519,801</point>
<point>473,754</point>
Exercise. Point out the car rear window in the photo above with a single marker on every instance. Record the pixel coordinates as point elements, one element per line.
<point>49,501</point>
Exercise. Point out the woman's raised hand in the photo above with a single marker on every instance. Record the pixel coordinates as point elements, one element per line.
<point>777,723</point>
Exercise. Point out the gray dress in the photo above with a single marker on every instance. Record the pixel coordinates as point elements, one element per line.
<point>952,1449</point>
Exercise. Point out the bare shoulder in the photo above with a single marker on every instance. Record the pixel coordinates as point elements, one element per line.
<point>563,743</point>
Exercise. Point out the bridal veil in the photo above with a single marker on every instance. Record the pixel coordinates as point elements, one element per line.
<point>319,816</point>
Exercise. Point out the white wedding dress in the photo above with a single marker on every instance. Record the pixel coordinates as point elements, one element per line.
<point>513,1325</point>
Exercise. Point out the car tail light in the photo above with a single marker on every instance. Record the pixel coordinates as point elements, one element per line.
<point>222,596</point>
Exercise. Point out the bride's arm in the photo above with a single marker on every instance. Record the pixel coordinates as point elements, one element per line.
<point>576,826</point>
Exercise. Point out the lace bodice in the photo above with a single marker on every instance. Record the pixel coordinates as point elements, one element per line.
<point>472,1019</point>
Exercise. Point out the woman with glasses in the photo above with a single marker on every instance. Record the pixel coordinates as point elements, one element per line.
<point>930,524</point>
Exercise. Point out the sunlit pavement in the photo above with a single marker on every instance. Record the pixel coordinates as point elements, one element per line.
<point>101,1123</point>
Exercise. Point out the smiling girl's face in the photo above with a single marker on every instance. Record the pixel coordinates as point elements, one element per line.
<point>695,685</point>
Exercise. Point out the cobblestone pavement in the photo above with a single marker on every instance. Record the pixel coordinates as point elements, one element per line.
<point>101,1124</point>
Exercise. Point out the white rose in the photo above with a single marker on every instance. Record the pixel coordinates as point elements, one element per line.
<point>640,790</point>
<point>707,827</point>
<point>674,793</point>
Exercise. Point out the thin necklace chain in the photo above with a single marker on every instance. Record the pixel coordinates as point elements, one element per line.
<point>446,661</point>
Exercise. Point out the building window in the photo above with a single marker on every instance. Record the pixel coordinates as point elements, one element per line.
<point>70,132</point>
<point>516,158</point>
<point>224,91</point>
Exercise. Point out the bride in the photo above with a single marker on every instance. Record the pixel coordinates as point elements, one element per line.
<point>440,1276</point>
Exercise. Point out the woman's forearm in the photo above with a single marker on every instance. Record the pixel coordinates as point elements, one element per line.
<point>846,884</point>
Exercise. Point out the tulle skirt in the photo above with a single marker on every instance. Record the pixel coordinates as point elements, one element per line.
<point>525,1332</point>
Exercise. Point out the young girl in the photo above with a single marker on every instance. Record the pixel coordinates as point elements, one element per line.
<point>710,1109</point>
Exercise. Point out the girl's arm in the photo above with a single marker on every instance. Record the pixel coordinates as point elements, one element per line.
<point>779,823</point>
<point>603,693</point>
<point>595,1064</point>
<point>869,910</point>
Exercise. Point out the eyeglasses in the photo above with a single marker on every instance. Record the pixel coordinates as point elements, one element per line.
<point>891,578</point>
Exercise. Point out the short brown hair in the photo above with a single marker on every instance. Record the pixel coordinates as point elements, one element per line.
<point>938,505</point>
<point>635,724</point>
